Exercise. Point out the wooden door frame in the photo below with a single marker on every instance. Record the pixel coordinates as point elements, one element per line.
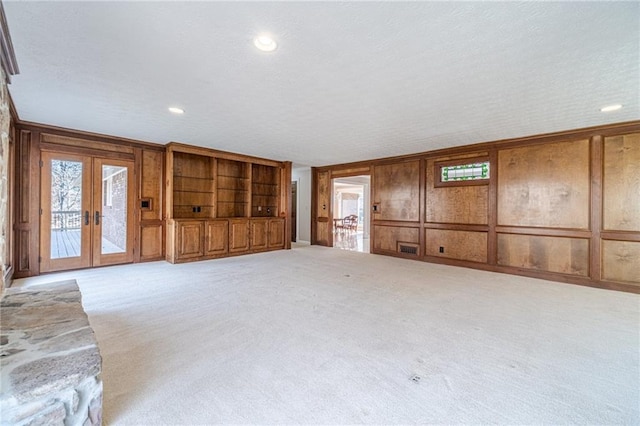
<point>84,260</point>
<point>91,233</point>
<point>99,259</point>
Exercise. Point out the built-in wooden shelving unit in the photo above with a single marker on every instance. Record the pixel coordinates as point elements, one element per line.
<point>221,204</point>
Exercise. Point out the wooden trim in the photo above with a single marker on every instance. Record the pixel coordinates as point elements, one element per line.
<point>457,227</point>
<point>7,54</point>
<point>189,149</point>
<point>422,207</point>
<point>595,247</point>
<point>50,139</point>
<point>437,175</point>
<point>98,137</point>
<point>396,223</point>
<point>545,232</point>
<point>285,201</point>
<point>492,209</point>
<point>49,147</point>
<point>620,235</point>
<point>362,171</point>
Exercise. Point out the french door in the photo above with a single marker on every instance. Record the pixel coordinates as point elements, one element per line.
<point>86,215</point>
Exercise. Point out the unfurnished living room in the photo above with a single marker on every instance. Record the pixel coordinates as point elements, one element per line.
<point>319,213</point>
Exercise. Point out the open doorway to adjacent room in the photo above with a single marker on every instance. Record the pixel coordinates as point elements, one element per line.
<point>351,213</point>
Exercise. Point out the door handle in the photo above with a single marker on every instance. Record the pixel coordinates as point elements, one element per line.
<point>97,217</point>
<point>86,217</point>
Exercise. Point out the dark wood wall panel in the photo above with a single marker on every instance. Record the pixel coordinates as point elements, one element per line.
<point>621,261</point>
<point>552,254</point>
<point>323,194</point>
<point>621,186</point>
<point>396,191</point>
<point>455,204</point>
<point>151,247</point>
<point>462,245</point>
<point>152,184</point>
<point>388,237</point>
<point>321,227</point>
<point>545,185</point>
<point>27,233</point>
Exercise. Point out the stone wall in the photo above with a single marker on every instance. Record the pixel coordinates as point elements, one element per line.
<point>5,118</point>
<point>49,359</point>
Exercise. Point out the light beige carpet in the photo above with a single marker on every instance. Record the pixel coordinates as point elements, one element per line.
<point>316,335</point>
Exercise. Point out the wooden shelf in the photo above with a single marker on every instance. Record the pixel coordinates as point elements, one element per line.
<point>212,198</point>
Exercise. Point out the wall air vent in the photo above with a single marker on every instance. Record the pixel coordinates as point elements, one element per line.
<point>408,248</point>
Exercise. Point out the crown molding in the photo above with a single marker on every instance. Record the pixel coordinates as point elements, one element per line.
<point>7,55</point>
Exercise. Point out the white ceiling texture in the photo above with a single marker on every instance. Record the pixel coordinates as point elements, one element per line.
<point>348,81</point>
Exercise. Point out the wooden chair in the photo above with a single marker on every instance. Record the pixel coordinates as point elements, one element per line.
<point>350,223</point>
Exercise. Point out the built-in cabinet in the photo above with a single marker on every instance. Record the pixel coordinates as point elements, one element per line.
<point>221,204</point>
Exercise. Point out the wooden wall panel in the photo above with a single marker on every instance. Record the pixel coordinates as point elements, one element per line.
<point>455,204</point>
<point>321,226</point>
<point>552,254</point>
<point>545,185</point>
<point>323,231</point>
<point>621,261</point>
<point>323,194</point>
<point>621,183</point>
<point>151,242</point>
<point>386,238</point>
<point>396,191</point>
<point>152,183</point>
<point>462,245</point>
<point>26,250</point>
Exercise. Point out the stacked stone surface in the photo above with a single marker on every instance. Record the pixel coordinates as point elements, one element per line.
<point>49,359</point>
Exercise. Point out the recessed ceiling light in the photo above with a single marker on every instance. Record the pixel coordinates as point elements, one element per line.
<point>610,108</point>
<point>265,43</point>
<point>176,110</point>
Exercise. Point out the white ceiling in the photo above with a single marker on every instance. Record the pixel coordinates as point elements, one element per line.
<point>348,82</point>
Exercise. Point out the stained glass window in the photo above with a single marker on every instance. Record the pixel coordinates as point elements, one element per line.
<point>464,172</point>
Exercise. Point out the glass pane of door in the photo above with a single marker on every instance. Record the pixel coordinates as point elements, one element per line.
<point>65,228</point>
<point>114,209</point>
<point>66,208</point>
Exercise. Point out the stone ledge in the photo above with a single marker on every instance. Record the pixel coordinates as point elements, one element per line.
<point>49,358</point>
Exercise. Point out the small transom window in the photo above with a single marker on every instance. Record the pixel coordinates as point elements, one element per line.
<point>463,172</point>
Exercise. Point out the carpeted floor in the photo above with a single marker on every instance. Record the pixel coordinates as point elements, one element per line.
<point>317,335</point>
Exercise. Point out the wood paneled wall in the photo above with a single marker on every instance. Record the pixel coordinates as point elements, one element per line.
<point>149,174</point>
<point>563,206</point>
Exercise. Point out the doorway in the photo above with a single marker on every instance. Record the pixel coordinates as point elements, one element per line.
<point>86,212</point>
<point>351,213</point>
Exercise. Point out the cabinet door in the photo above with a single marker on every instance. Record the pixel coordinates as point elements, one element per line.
<point>238,235</point>
<point>216,237</point>
<point>189,240</point>
<point>259,229</point>
<point>276,233</point>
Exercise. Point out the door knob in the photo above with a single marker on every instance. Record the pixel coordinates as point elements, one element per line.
<point>97,217</point>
